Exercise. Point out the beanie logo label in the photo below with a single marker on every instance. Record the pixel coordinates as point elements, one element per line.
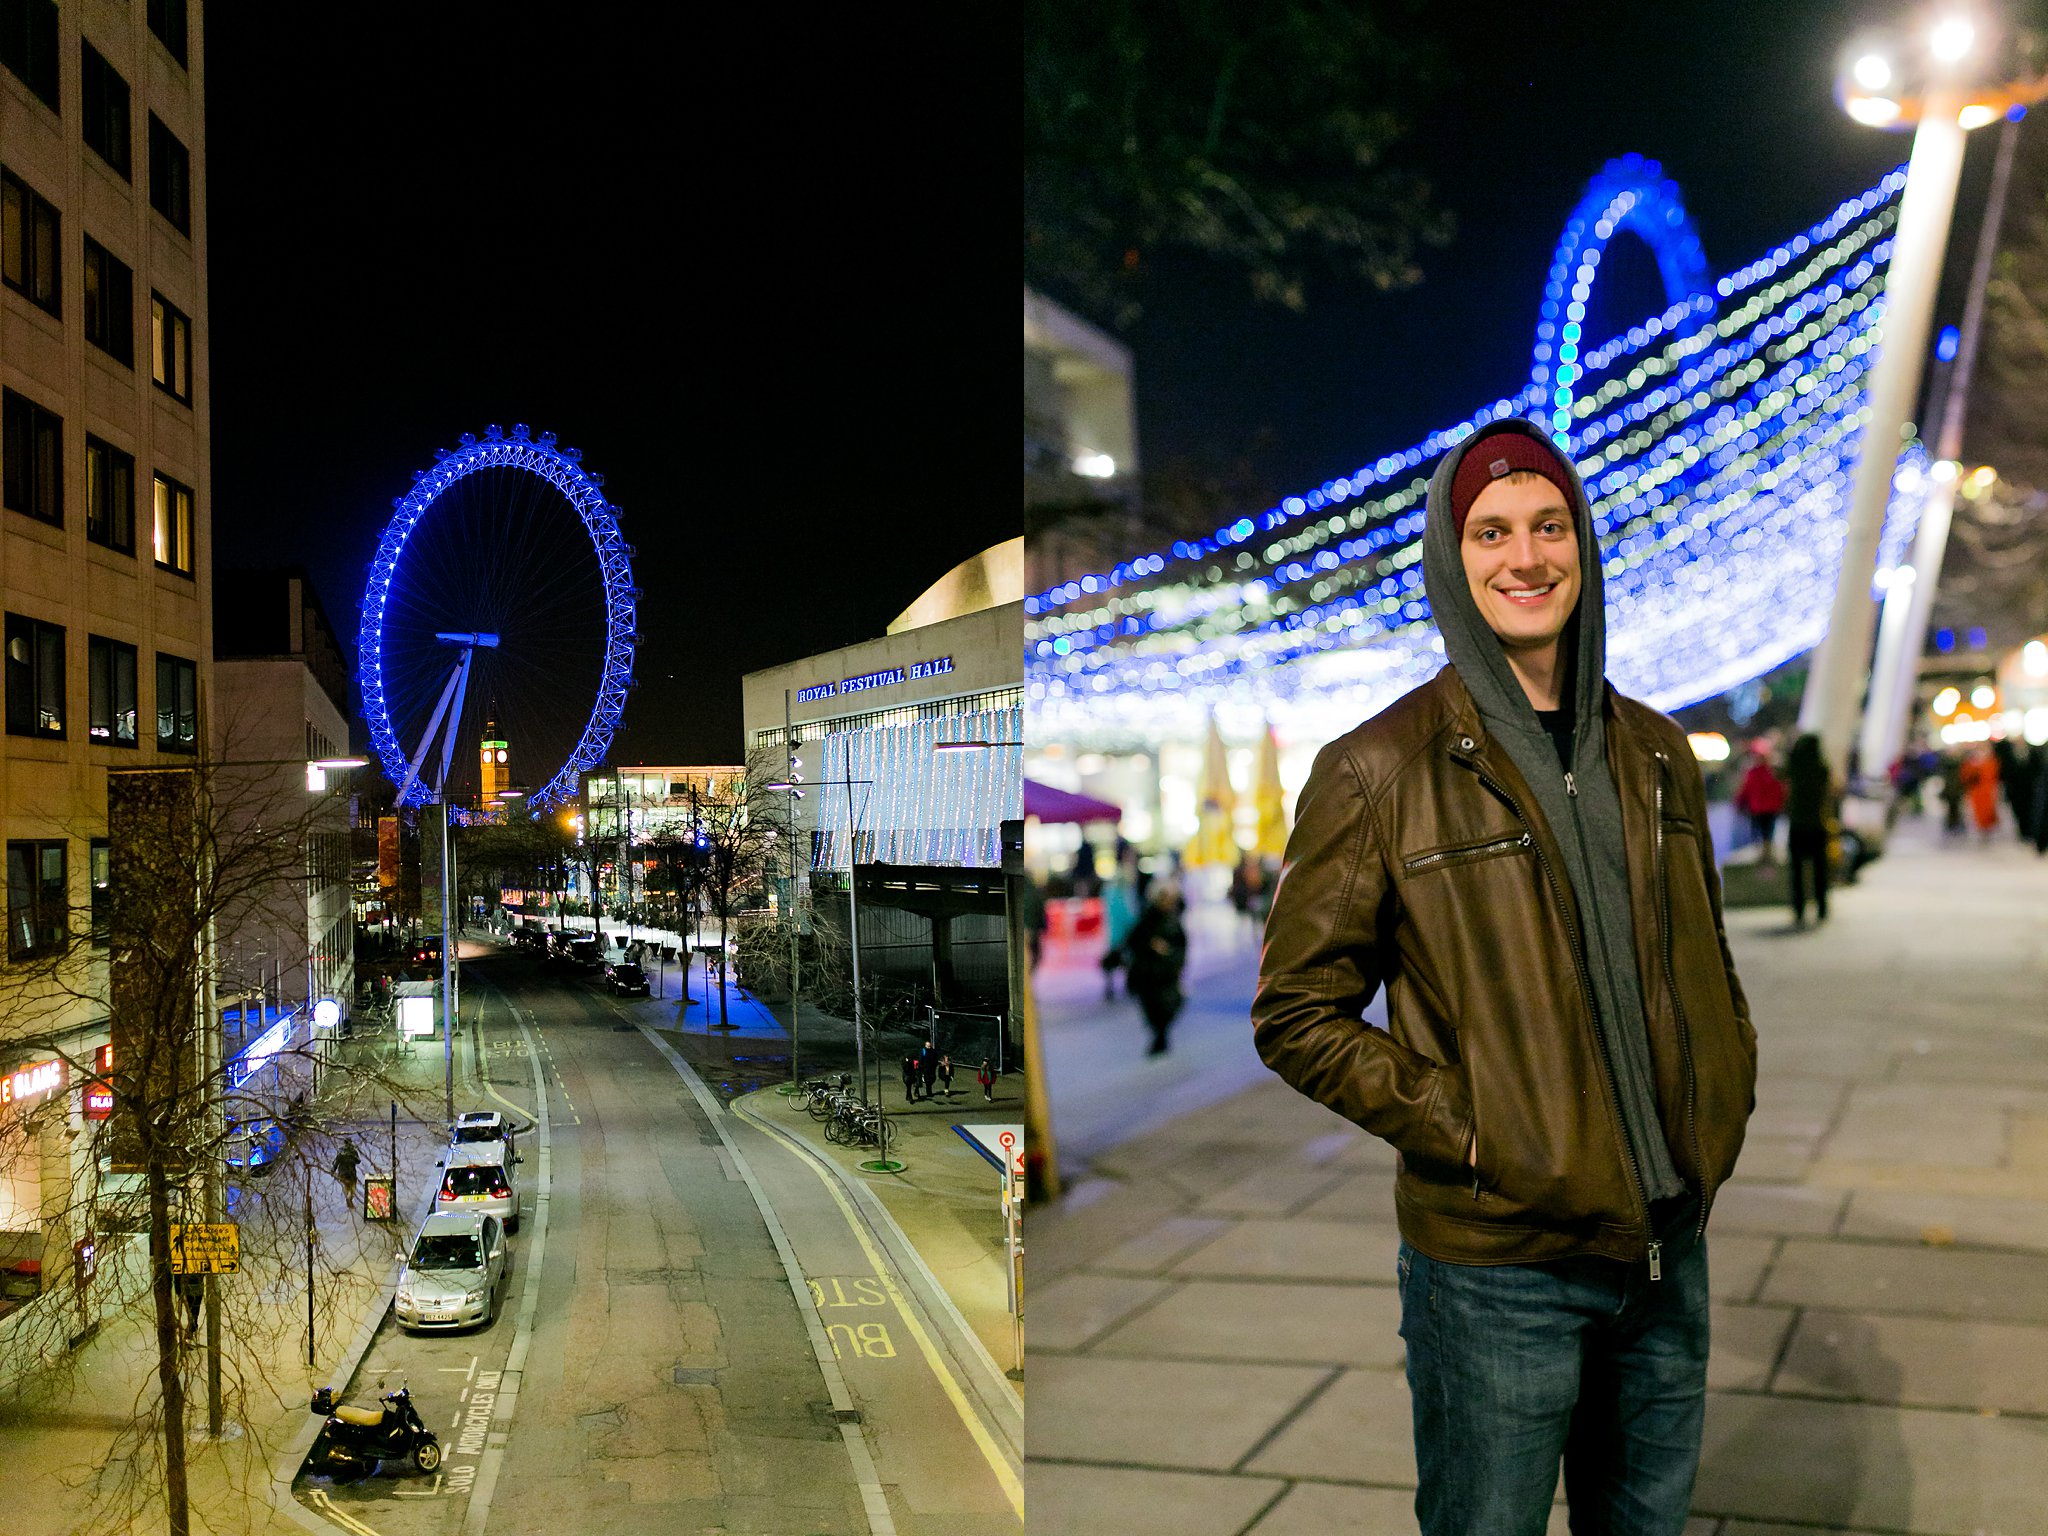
<point>1497,468</point>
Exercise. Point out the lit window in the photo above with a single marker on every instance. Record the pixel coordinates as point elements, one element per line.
<point>171,530</point>
<point>170,348</point>
<point>35,677</point>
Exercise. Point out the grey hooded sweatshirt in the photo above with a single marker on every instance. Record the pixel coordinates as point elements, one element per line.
<point>1580,806</point>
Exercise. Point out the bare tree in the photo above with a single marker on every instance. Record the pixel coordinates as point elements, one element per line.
<point>165,1111</point>
<point>742,825</point>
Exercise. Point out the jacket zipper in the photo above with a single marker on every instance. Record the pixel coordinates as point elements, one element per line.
<point>1692,1124</point>
<point>1628,1152</point>
<point>1477,850</point>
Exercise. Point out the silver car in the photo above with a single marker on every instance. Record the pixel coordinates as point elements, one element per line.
<point>454,1274</point>
<point>478,1178</point>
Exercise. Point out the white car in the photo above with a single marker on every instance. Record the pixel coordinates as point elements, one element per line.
<point>478,1178</point>
<point>454,1275</point>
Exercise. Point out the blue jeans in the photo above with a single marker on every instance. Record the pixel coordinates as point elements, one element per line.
<point>1514,1369</point>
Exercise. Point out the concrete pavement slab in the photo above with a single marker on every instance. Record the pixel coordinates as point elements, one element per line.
<point>1984,1221</point>
<point>1747,1341</point>
<point>1777,1210</point>
<point>1295,1249</point>
<point>1736,1263</point>
<point>1776,1159</point>
<point>1890,1277</point>
<point>1074,1309</point>
<point>1081,1409</point>
<point>1353,1325</point>
<point>1095,1217</point>
<point>1153,1251</point>
<point>1853,1466</point>
<point>1360,1430</point>
<point>1276,1191</point>
<point>1128,1501</point>
<point>1360,1197</point>
<point>1316,1509</point>
<point>1918,1362</point>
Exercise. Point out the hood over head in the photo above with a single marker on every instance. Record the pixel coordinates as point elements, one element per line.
<point>1470,644</point>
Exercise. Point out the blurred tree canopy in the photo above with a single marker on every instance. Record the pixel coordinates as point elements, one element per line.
<point>1256,134</point>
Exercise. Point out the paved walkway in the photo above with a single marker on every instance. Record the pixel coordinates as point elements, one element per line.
<point>1213,1315</point>
<point>79,1453</point>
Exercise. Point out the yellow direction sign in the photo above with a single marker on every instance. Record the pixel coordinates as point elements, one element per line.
<point>202,1249</point>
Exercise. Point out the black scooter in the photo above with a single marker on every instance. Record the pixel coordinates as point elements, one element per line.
<point>355,1440</point>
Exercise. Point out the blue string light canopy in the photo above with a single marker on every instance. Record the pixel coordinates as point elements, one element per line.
<point>1716,438</point>
<point>508,535</point>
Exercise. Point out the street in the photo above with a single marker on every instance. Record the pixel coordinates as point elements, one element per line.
<point>650,1365</point>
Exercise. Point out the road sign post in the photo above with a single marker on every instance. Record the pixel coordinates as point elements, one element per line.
<point>205,1248</point>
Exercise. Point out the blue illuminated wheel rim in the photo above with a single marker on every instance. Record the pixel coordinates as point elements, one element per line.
<point>611,648</point>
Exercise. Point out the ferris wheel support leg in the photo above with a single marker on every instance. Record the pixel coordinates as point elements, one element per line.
<point>412,770</point>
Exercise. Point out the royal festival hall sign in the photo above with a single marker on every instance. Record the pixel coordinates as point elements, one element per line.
<point>938,666</point>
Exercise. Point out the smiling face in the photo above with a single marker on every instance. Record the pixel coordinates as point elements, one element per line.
<point>1521,554</point>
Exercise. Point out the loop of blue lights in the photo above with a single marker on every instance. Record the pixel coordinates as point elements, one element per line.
<point>562,468</point>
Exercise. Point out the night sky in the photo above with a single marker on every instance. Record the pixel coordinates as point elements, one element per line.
<point>1733,97</point>
<point>762,272</point>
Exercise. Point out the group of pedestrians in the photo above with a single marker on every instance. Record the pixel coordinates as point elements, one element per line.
<point>1973,783</point>
<point>928,1072</point>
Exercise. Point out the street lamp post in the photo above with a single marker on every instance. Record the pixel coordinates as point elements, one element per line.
<point>1942,84</point>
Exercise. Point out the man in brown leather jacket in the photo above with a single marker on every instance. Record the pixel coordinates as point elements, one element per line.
<point>1520,857</point>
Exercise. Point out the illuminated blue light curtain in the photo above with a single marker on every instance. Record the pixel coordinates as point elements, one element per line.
<point>911,804</point>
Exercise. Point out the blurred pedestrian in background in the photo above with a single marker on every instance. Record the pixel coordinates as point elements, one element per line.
<point>1761,797</point>
<point>1980,784</point>
<point>1809,789</point>
<point>1121,903</point>
<point>2015,777</point>
<point>1159,952</point>
<point>1952,793</point>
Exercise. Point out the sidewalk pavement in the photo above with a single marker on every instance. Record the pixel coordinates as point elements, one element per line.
<point>947,1201</point>
<point>1214,1317</point>
<point>70,1440</point>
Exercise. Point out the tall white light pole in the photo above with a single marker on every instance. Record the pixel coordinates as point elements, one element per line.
<point>1901,640</point>
<point>1937,82</point>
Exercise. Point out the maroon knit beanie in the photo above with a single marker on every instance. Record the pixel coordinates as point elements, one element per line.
<point>1493,454</point>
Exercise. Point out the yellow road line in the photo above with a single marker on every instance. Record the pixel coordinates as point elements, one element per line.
<point>333,1512</point>
<point>1006,1475</point>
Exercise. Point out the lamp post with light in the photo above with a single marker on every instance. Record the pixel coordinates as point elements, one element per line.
<point>1942,78</point>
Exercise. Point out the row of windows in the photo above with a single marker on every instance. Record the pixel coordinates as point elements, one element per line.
<point>32,483</point>
<point>990,701</point>
<point>31,263</point>
<point>34,676</point>
<point>28,48</point>
<point>39,895</point>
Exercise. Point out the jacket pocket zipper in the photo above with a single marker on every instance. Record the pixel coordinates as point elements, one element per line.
<point>1476,851</point>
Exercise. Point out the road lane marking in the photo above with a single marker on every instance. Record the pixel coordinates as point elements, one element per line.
<point>873,1499</point>
<point>334,1512</point>
<point>501,1396</point>
<point>1006,1473</point>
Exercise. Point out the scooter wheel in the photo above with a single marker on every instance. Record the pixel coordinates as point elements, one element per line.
<point>427,1455</point>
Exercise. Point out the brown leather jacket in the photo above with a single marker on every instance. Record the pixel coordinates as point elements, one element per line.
<point>1420,862</point>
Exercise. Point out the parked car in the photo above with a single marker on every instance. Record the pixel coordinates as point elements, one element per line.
<point>484,1127</point>
<point>625,978</point>
<point>454,1275</point>
<point>479,1178</point>
<point>586,952</point>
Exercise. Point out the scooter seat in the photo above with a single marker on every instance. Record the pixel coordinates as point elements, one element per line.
<point>365,1418</point>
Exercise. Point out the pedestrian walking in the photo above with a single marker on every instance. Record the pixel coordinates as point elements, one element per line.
<point>987,1078</point>
<point>1809,798</point>
<point>946,1076</point>
<point>1496,848</point>
<point>2016,779</point>
<point>192,1292</point>
<point>1980,785</point>
<point>1159,952</point>
<point>1952,794</point>
<point>1121,905</point>
<point>910,1079</point>
<point>346,1160</point>
<point>1761,797</point>
<point>927,1071</point>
